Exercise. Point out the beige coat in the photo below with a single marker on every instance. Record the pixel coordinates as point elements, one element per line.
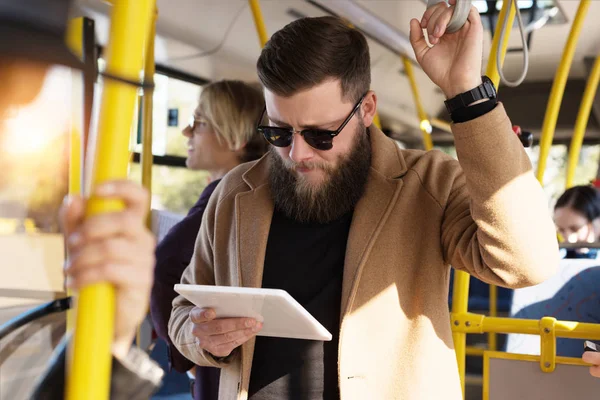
<point>421,212</point>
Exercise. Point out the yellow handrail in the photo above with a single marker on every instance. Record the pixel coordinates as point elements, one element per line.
<point>558,89</point>
<point>147,115</point>
<point>460,294</point>
<point>89,375</point>
<point>149,69</point>
<point>377,121</point>
<point>460,305</point>
<point>259,22</point>
<point>74,39</point>
<point>492,73</point>
<point>424,123</point>
<point>476,323</point>
<point>582,120</point>
<point>440,124</point>
<point>492,67</point>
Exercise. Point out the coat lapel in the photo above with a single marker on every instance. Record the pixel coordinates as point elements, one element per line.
<point>372,211</point>
<point>254,211</point>
<point>370,214</point>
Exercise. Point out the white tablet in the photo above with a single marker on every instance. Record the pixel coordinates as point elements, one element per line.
<point>281,315</point>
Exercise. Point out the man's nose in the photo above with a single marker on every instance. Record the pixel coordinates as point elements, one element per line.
<point>300,151</point>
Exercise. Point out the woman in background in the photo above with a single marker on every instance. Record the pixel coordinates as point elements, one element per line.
<point>577,219</point>
<point>221,136</point>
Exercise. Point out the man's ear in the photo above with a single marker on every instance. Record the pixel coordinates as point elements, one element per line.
<point>369,108</point>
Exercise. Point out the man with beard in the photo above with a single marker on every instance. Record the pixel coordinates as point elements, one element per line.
<point>360,232</point>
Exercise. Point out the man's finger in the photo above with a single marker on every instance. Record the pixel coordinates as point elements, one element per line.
<point>429,12</point>
<point>200,315</point>
<point>591,357</point>
<point>118,274</point>
<point>100,251</point>
<point>595,371</point>
<point>71,214</point>
<point>221,326</point>
<point>433,25</point>
<point>225,349</point>
<point>106,226</point>
<point>441,23</point>
<point>134,196</point>
<point>230,337</point>
<point>417,39</point>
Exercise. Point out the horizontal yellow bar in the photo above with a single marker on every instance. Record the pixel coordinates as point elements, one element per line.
<point>564,329</point>
<point>474,351</point>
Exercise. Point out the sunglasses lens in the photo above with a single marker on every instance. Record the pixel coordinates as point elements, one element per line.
<point>277,137</point>
<point>320,140</point>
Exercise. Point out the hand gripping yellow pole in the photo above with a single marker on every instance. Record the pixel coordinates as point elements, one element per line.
<point>89,376</point>
<point>582,120</point>
<point>424,123</point>
<point>558,89</point>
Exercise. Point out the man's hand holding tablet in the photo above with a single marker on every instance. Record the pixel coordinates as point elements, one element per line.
<point>221,336</point>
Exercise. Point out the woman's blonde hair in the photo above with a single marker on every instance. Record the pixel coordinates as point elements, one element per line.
<point>233,109</point>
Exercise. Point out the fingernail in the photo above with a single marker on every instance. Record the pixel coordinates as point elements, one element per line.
<point>436,31</point>
<point>106,189</point>
<point>67,200</point>
<point>209,314</point>
<point>74,239</point>
<point>250,323</point>
<point>258,327</point>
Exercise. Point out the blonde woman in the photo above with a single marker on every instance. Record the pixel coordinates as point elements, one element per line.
<point>221,135</point>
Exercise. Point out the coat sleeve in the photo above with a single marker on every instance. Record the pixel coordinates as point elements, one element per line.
<point>496,225</point>
<point>199,272</point>
<point>136,377</point>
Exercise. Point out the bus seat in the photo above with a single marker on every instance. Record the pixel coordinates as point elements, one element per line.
<point>573,294</point>
<point>513,376</point>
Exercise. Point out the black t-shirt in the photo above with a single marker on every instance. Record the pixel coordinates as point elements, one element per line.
<point>306,260</point>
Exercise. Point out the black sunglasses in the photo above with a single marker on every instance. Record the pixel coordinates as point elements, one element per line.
<point>320,139</point>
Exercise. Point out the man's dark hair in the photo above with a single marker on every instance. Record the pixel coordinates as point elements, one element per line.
<point>310,51</point>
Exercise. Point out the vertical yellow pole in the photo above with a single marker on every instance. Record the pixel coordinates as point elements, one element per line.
<point>259,22</point>
<point>377,121</point>
<point>423,120</point>
<point>492,68</point>
<point>558,89</point>
<point>582,120</point>
<point>492,340</point>
<point>74,39</point>
<point>149,69</point>
<point>460,305</point>
<point>492,73</point>
<point>89,377</point>
<point>146,158</point>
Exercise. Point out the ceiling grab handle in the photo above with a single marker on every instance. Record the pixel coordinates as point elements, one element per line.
<point>459,16</point>
<point>521,78</point>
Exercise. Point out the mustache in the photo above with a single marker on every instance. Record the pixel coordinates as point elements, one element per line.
<point>293,166</point>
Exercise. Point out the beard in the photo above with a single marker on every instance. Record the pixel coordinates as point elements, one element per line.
<point>336,195</point>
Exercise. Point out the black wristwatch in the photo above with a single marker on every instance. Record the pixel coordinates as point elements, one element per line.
<point>484,91</point>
